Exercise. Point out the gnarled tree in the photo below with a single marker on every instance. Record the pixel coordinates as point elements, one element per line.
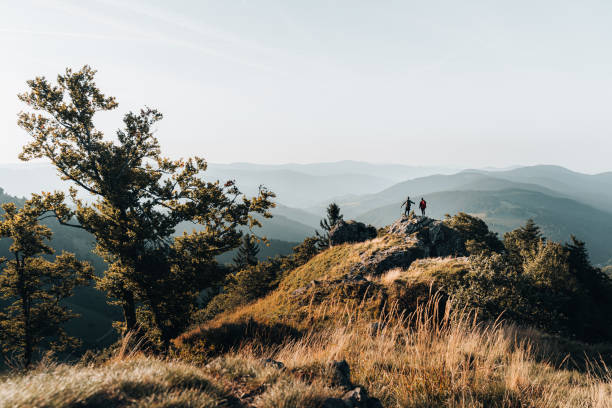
<point>139,198</point>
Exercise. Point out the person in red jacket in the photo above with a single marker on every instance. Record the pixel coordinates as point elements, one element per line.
<point>423,206</point>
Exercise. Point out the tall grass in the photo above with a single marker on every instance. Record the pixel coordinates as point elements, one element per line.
<point>432,357</point>
<point>435,358</point>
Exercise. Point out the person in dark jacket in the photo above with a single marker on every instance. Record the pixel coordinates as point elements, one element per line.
<point>407,204</point>
<point>423,206</point>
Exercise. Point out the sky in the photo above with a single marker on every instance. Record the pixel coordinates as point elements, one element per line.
<point>465,84</point>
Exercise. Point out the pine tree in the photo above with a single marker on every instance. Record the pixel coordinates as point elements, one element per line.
<point>36,286</point>
<point>137,199</point>
<point>247,253</point>
<point>522,240</point>
<point>333,217</point>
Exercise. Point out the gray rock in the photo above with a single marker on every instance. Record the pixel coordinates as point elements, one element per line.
<point>351,231</point>
<point>433,237</point>
<point>381,261</point>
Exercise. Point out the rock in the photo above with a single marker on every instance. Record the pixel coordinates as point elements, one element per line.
<point>433,237</point>
<point>358,397</point>
<point>341,374</point>
<point>351,231</point>
<point>382,261</point>
<point>273,363</point>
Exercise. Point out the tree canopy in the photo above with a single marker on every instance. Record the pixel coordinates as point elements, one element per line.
<point>333,217</point>
<point>138,199</point>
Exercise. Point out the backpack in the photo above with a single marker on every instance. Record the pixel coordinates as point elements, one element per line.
<point>423,204</point>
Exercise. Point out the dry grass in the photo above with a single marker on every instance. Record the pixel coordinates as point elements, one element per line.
<point>418,357</point>
<point>135,382</point>
<point>430,358</point>
<point>340,260</point>
<point>283,308</point>
<point>429,361</point>
<point>139,381</point>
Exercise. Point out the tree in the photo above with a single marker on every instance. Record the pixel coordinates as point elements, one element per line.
<point>478,238</point>
<point>247,253</point>
<point>138,197</point>
<point>522,240</point>
<point>37,286</point>
<point>333,217</point>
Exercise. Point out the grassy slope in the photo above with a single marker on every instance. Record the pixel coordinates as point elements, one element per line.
<point>139,381</point>
<point>421,359</point>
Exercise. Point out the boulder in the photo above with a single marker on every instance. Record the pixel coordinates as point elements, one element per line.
<point>356,398</point>
<point>433,237</point>
<point>382,261</point>
<point>351,231</point>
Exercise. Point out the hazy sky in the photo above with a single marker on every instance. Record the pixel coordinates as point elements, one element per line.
<point>468,83</point>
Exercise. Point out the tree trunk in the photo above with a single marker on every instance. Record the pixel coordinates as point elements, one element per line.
<point>27,346</point>
<point>158,320</point>
<point>129,311</point>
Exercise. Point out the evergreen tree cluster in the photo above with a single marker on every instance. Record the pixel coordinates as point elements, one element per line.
<point>36,287</point>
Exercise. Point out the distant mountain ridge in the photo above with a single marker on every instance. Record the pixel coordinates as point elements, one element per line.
<point>368,192</point>
<point>507,209</point>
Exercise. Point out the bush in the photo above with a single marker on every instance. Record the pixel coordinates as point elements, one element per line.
<point>554,288</point>
<point>478,238</point>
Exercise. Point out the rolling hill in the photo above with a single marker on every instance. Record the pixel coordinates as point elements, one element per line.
<point>396,194</point>
<point>595,190</point>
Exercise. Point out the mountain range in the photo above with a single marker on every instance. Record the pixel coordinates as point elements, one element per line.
<point>560,200</point>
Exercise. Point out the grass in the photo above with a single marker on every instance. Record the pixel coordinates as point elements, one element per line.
<point>339,260</point>
<point>401,338</point>
<point>424,360</point>
<point>428,358</point>
<point>282,310</point>
<point>141,381</point>
<point>427,355</point>
<point>282,307</point>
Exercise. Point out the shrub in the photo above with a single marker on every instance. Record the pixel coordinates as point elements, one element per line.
<point>478,238</point>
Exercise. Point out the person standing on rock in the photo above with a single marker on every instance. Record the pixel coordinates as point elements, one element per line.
<point>423,206</point>
<point>407,203</point>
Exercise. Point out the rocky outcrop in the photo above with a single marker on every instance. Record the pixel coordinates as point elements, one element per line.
<point>433,237</point>
<point>419,237</point>
<point>382,261</point>
<point>350,232</point>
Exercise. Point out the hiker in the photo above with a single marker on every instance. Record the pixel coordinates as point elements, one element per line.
<point>407,203</point>
<point>423,206</point>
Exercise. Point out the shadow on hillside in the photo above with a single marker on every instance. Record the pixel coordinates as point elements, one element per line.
<point>209,341</point>
<point>566,353</point>
<point>127,392</point>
